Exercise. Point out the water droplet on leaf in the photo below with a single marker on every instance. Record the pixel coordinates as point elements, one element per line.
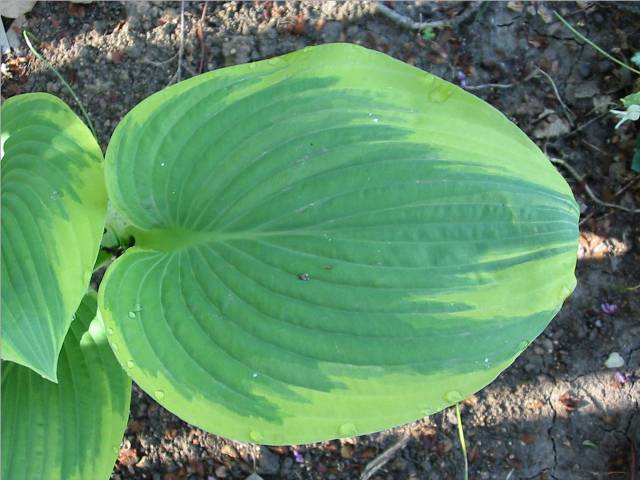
<point>159,394</point>
<point>130,364</point>
<point>453,396</point>
<point>256,436</point>
<point>132,314</point>
<point>487,363</point>
<point>109,331</point>
<point>347,430</point>
<point>55,195</point>
<point>114,347</point>
<point>441,93</point>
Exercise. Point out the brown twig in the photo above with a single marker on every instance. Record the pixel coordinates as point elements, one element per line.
<point>201,37</point>
<point>158,63</point>
<point>488,85</point>
<point>178,75</point>
<point>410,24</point>
<point>567,111</point>
<point>377,463</point>
<point>626,186</point>
<point>587,188</point>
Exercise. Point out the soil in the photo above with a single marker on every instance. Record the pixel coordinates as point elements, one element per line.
<point>558,412</point>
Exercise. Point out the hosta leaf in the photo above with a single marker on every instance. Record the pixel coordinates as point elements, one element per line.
<point>53,211</point>
<point>70,430</point>
<point>328,243</point>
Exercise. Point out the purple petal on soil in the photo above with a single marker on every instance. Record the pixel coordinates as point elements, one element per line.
<point>621,377</point>
<point>462,78</point>
<point>609,308</point>
<point>298,456</point>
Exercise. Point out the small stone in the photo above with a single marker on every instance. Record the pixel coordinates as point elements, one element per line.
<point>585,69</point>
<point>268,462</point>
<point>221,471</point>
<point>614,360</point>
<point>331,31</point>
<point>346,451</point>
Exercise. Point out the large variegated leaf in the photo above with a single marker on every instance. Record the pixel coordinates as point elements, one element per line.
<point>328,243</point>
<point>53,210</point>
<point>70,430</point>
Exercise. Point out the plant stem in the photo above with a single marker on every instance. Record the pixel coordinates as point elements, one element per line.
<point>39,56</point>
<point>593,45</point>
<point>462,443</point>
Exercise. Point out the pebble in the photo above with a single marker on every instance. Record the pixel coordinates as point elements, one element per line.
<point>268,462</point>
<point>346,451</point>
<point>221,471</point>
<point>614,360</point>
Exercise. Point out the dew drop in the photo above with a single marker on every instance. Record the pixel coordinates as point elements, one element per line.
<point>162,164</point>
<point>132,314</point>
<point>523,345</point>
<point>159,394</point>
<point>114,347</point>
<point>173,192</point>
<point>376,120</point>
<point>347,430</point>
<point>487,362</point>
<point>137,307</point>
<point>428,79</point>
<point>252,66</point>
<point>453,396</point>
<point>254,375</point>
<point>428,411</point>
<point>441,93</point>
<point>256,436</point>
<point>55,195</point>
<point>109,331</point>
<point>130,364</point>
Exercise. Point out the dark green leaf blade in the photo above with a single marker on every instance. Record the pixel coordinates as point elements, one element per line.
<point>70,430</point>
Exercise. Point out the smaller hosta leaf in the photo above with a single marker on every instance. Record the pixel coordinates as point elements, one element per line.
<point>53,210</point>
<point>70,430</point>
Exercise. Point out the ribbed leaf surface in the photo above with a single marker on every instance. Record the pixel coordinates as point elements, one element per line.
<point>70,430</point>
<point>328,243</point>
<point>53,210</point>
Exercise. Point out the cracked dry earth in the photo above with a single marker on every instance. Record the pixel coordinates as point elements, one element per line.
<point>558,412</point>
